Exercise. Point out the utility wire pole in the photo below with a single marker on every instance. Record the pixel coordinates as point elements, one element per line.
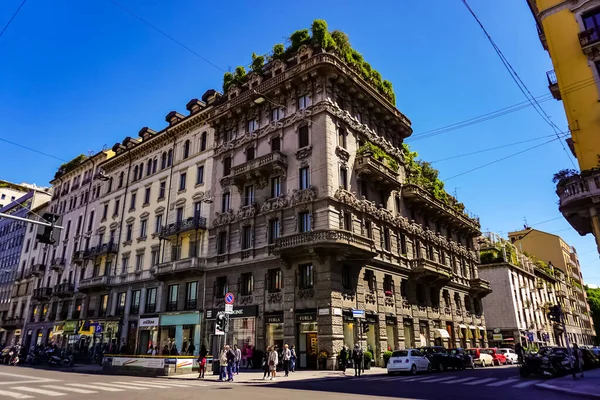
<point>30,221</point>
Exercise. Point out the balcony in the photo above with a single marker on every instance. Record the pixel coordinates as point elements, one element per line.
<point>96,251</point>
<point>415,194</point>
<point>590,42</point>
<point>553,85</point>
<point>430,271</point>
<point>577,193</point>
<point>368,167</point>
<point>94,284</point>
<point>480,287</point>
<point>561,293</point>
<point>342,243</point>
<point>12,323</point>
<point>58,264</point>
<point>37,270</point>
<point>259,169</point>
<point>65,289</point>
<point>177,228</point>
<point>86,181</point>
<point>183,268</point>
<point>78,257</point>
<point>42,293</point>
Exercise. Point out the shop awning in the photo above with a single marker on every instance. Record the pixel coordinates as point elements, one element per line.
<point>462,326</point>
<point>472,327</point>
<point>442,333</point>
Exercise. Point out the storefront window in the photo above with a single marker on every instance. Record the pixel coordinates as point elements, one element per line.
<point>167,340</point>
<point>274,335</point>
<point>391,336</point>
<point>244,331</point>
<point>372,338</point>
<point>424,334</point>
<point>349,334</point>
<point>409,334</point>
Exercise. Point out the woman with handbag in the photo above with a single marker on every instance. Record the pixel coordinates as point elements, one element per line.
<point>265,363</point>
<point>273,361</point>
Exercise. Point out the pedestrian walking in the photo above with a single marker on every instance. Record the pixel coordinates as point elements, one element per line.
<point>293,359</point>
<point>250,355</point>
<point>273,361</point>
<point>230,363</point>
<point>191,348</point>
<point>343,359</point>
<point>201,365</point>
<point>223,364</point>
<point>578,358</point>
<point>287,358</point>
<point>238,359</point>
<point>265,363</point>
<point>357,358</point>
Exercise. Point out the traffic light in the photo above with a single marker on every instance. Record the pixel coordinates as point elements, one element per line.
<point>49,234</point>
<point>365,327</point>
<point>222,323</point>
<point>555,313</point>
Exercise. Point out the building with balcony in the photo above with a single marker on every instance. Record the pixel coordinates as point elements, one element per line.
<point>14,239</point>
<point>10,192</point>
<point>328,225</point>
<point>553,252</point>
<point>570,32</point>
<point>522,292</point>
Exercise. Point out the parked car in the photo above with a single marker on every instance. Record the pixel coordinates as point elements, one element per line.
<point>590,359</point>
<point>510,354</point>
<point>480,358</point>
<point>409,360</point>
<point>463,357</point>
<point>497,357</point>
<point>440,359</point>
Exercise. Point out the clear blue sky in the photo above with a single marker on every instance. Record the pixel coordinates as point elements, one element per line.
<point>77,76</point>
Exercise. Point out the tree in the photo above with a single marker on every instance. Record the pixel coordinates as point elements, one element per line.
<point>258,62</point>
<point>594,302</point>
<point>563,174</point>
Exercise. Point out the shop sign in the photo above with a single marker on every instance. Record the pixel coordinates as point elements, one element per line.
<point>323,311</point>
<point>306,318</point>
<point>337,311</point>
<point>138,362</point>
<point>274,318</point>
<point>497,336</point>
<point>69,326</point>
<point>238,312</point>
<point>496,330</point>
<point>186,363</point>
<point>192,318</point>
<point>148,322</point>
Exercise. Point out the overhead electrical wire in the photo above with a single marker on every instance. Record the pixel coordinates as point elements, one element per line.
<point>12,18</point>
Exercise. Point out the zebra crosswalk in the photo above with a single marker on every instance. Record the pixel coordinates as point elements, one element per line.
<point>59,389</point>
<point>513,382</point>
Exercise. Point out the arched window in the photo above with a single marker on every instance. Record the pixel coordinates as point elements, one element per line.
<point>154,165</point>
<point>149,167</point>
<point>186,149</point>
<point>121,177</point>
<point>170,158</point>
<point>141,170</point>
<point>135,173</point>
<point>203,140</point>
<point>163,161</point>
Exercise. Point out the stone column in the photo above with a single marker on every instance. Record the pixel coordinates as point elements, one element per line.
<point>143,293</point>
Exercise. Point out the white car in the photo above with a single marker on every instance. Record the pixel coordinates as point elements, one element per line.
<point>409,360</point>
<point>511,356</point>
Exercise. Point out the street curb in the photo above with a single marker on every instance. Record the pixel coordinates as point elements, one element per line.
<point>259,382</point>
<point>545,386</point>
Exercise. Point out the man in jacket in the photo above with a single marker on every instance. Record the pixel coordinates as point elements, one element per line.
<point>238,359</point>
<point>357,358</point>
<point>230,362</point>
<point>287,356</point>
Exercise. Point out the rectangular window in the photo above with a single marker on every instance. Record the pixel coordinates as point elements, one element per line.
<point>139,262</point>
<point>249,195</point>
<point>342,138</point>
<point>369,229</point>
<point>347,279</point>
<point>246,237</point>
<point>252,125</point>
<point>275,280</point>
<point>161,190</point>
<point>249,153</point>
<point>226,166</point>
<point>275,187</point>
<point>247,284</point>
<point>134,307</point>
<point>158,223</point>
<point>225,202</point>
<point>129,232</point>
<point>132,202</point>
<point>151,300</point>
<point>303,102</point>
<point>222,243</point>
<point>124,265</point>
<point>182,181</point>
<point>103,305</point>
<point>175,251</point>
<point>104,214</point>
<point>153,258</point>
<point>388,283</point>
<point>121,303</point>
<point>179,214</point>
<point>276,114</point>
<point>147,196</point>
<point>370,278</point>
<point>91,221</point>
<point>275,144</point>
<point>143,228</point>
<point>307,276</point>
<point>303,137</point>
<point>386,239</point>
<point>273,230</point>
<point>344,178</point>
<point>304,222</point>
<point>403,247</point>
<point>222,287</point>
<point>347,221</point>
<point>191,295</point>
<point>117,206</point>
<point>304,178</point>
<point>173,292</point>
<point>200,175</point>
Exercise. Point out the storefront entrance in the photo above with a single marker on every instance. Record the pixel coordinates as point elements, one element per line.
<point>242,329</point>
<point>409,334</point>
<point>390,330</point>
<point>308,342</point>
<point>148,335</point>
<point>177,331</point>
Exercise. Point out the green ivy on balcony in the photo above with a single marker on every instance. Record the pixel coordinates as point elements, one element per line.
<point>379,154</point>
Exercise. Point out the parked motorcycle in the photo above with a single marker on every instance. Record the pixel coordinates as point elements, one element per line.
<point>61,359</point>
<point>550,363</point>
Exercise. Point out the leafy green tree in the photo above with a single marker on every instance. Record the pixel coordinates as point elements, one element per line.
<point>227,81</point>
<point>299,38</point>
<point>594,302</point>
<point>278,51</point>
<point>320,34</point>
<point>258,62</point>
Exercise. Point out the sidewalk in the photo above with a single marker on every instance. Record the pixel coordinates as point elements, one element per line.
<point>588,386</point>
<point>255,376</point>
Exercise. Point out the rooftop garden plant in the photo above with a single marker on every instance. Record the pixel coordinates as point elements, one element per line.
<point>318,36</point>
<point>379,154</point>
<point>69,166</point>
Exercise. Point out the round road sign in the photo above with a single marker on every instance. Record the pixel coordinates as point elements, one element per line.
<point>229,298</point>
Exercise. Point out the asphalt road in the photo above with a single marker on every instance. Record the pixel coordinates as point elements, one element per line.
<point>489,383</point>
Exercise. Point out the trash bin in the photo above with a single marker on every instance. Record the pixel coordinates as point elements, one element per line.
<point>216,367</point>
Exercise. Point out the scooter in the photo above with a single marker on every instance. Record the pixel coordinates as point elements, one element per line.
<point>62,360</point>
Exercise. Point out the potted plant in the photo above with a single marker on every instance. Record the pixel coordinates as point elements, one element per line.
<point>386,357</point>
<point>367,358</point>
<point>323,359</point>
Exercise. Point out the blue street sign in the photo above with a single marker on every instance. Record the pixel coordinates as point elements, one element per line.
<point>229,298</point>
<point>97,328</point>
<point>358,313</point>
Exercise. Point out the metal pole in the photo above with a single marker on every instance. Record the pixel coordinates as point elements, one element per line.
<point>29,221</point>
<point>569,350</point>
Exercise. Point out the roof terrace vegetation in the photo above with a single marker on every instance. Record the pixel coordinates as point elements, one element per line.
<point>70,166</point>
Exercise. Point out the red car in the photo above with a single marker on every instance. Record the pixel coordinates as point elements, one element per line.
<point>499,358</point>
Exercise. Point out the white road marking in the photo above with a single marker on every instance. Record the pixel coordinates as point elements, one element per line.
<point>481,381</point>
<point>15,395</point>
<point>417,379</point>
<point>163,384</point>
<point>121,385</point>
<point>459,380</point>
<point>527,383</point>
<point>505,382</point>
<point>438,379</point>
<point>38,391</point>
<point>69,389</point>
<point>28,381</point>
<point>88,386</point>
